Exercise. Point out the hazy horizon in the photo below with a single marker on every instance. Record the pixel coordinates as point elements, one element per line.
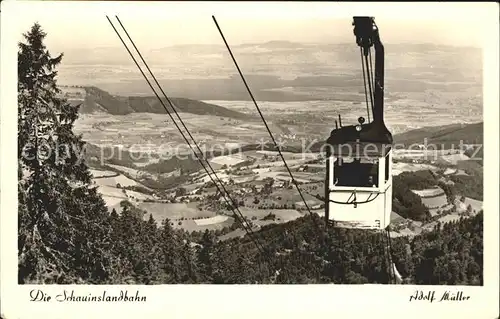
<point>191,24</point>
<point>120,46</point>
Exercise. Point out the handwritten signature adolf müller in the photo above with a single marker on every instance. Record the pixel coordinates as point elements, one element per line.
<point>446,296</point>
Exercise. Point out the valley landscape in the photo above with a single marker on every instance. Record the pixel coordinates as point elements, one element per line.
<point>139,208</point>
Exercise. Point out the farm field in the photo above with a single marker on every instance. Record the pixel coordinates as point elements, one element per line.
<point>399,167</point>
<point>406,232</point>
<point>454,158</point>
<point>100,173</point>
<point>449,218</point>
<point>206,178</point>
<point>435,202</point>
<point>434,211</point>
<point>160,135</point>
<point>113,181</point>
<point>186,216</point>
<point>432,198</point>
<point>113,196</point>
<point>113,202</point>
<point>282,215</point>
<point>192,218</point>
<point>279,198</point>
<point>431,192</point>
<point>476,205</point>
<point>138,195</point>
<point>111,191</point>
<point>175,211</point>
<point>254,169</point>
<point>126,170</point>
<point>395,218</point>
<point>236,233</point>
<point>450,171</point>
<point>211,220</point>
<point>228,160</point>
<point>191,225</point>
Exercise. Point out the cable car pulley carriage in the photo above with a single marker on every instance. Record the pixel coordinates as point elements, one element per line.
<point>358,183</point>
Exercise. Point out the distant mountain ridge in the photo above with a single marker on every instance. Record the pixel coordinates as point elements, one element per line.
<point>276,71</point>
<point>98,100</point>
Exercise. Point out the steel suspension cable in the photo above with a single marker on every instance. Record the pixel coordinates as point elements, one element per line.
<point>259,247</point>
<point>189,133</point>
<point>264,121</point>
<point>364,83</point>
<point>387,255</point>
<point>369,71</point>
<point>384,255</point>
<point>389,248</point>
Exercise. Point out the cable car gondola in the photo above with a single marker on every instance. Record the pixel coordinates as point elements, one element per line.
<point>358,186</point>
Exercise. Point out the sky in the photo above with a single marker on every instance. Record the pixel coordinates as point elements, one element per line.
<point>73,25</point>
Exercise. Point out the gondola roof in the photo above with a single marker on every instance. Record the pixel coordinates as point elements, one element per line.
<point>371,140</point>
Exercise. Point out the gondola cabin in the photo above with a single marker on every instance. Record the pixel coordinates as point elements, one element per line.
<point>358,188</point>
<point>358,183</point>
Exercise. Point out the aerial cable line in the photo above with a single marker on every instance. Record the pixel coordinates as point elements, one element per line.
<point>355,202</point>
<point>189,144</point>
<point>371,68</point>
<point>370,55</point>
<point>387,255</point>
<point>364,83</point>
<point>372,76</point>
<point>370,81</point>
<point>348,201</point>
<point>231,204</point>
<point>268,130</point>
<point>389,248</point>
<point>384,254</point>
<point>264,120</point>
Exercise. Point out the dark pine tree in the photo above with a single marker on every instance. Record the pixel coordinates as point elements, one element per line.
<point>63,233</point>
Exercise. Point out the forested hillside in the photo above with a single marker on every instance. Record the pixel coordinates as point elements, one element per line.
<point>99,100</point>
<point>296,253</point>
<point>447,136</point>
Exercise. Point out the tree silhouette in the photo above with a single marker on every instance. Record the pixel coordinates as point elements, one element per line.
<point>63,224</point>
